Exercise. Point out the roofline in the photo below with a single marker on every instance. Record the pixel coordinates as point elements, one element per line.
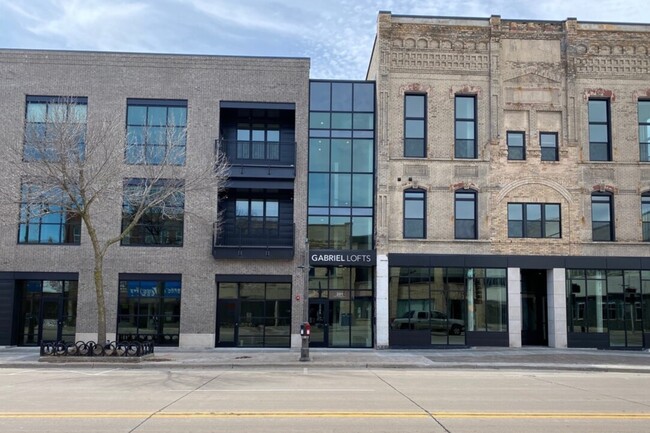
<point>139,53</point>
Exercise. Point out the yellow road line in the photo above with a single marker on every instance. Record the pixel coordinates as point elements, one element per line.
<point>459,415</point>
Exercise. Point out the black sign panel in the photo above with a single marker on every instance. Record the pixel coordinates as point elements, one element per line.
<point>342,257</point>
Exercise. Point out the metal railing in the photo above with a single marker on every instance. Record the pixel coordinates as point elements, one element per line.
<point>238,239</point>
<point>260,153</point>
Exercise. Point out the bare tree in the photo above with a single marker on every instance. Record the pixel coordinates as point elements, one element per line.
<point>66,166</point>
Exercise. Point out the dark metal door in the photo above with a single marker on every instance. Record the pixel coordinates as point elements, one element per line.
<point>227,322</point>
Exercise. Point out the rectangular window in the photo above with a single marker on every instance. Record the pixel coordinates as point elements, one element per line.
<point>414,212</point>
<point>644,129</point>
<point>602,208</point>
<point>257,217</point>
<point>600,148</point>
<point>548,143</point>
<point>161,224</point>
<point>534,220</point>
<point>516,145</point>
<point>645,216</point>
<point>415,126</point>
<point>156,131</point>
<point>46,217</point>
<point>54,124</point>
<point>465,215</point>
<point>149,310</point>
<point>258,141</point>
<point>465,127</point>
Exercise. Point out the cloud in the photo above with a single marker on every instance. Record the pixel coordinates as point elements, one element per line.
<point>337,35</point>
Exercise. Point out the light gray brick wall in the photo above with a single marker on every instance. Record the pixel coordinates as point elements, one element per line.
<point>108,79</point>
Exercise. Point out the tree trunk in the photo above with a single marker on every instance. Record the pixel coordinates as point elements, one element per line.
<point>101,304</point>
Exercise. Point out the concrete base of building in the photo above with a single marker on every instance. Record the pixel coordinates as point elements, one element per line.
<point>196,341</point>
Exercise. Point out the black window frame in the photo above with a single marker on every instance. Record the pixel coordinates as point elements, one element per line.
<point>601,197</point>
<point>596,123</point>
<point>267,222</point>
<point>159,228</point>
<point>645,216</point>
<point>423,219</point>
<point>512,146</point>
<point>547,150</point>
<point>470,196</point>
<point>644,146</point>
<point>68,223</point>
<point>473,120</point>
<point>526,223</point>
<point>30,128</point>
<point>145,158</point>
<point>422,120</point>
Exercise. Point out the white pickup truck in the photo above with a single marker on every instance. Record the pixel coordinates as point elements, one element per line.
<point>434,320</point>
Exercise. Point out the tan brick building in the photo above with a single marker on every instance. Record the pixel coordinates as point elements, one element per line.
<point>516,150</point>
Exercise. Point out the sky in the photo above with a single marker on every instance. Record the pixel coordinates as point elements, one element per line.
<point>336,34</point>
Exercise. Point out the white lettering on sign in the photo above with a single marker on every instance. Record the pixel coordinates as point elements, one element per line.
<point>344,258</point>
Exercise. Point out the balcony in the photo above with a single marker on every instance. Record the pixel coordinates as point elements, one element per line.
<point>231,244</point>
<point>260,159</point>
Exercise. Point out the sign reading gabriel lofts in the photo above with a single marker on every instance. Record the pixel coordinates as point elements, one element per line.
<point>342,258</point>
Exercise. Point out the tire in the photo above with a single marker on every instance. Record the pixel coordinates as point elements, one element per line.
<point>455,330</point>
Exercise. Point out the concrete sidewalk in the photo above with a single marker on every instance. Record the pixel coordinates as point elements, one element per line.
<point>529,358</point>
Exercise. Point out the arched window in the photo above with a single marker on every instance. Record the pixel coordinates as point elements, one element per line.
<point>602,217</point>
<point>465,215</point>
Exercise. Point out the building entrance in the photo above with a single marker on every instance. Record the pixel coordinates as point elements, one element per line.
<point>48,311</point>
<point>534,317</point>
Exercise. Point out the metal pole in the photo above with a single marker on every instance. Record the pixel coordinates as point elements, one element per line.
<point>304,348</point>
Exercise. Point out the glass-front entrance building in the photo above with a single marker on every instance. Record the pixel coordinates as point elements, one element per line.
<point>340,213</point>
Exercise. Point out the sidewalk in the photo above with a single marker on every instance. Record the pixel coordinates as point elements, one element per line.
<point>537,358</point>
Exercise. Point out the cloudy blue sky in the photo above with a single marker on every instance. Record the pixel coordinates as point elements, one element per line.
<point>336,34</point>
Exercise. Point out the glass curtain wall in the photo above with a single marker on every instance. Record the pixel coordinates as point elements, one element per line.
<point>341,165</point>
<point>341,306</point>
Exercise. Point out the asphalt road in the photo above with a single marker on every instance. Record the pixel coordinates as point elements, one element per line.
<point>321,400</point>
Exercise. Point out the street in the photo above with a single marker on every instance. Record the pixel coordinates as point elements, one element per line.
<point>321,400</point>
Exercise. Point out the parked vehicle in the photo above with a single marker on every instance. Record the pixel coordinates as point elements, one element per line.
<point>433,320</point>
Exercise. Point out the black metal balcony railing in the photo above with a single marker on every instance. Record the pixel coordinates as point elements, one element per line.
<point>236,244</point>
<point>263,153</point>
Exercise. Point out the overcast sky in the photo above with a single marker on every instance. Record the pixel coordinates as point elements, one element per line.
<point>336,34</point>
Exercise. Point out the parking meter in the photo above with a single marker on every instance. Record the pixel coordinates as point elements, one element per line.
<point>305,332</point>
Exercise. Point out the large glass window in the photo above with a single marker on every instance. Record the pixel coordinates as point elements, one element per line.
<point>156,131</point>
<point>516,145</point>
<point>162,223</point>
<point>534,220</point>
<point>645,216</point>
<point>643,110</point>
<point>465,127</point>
<point>341,165</point>
<point>254,314</point>
<point>602,217</point>
<point>465,215</point>
<point>46,217</point>
<point>415,115</point>
<point>600,148</point>
<point>149,310</point>
<point>414,214</point>
<point>54,124</point>
<point>548,143</point>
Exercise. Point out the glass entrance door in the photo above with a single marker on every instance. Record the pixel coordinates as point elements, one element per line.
<point>51,320</point>
<point>319,319</point>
